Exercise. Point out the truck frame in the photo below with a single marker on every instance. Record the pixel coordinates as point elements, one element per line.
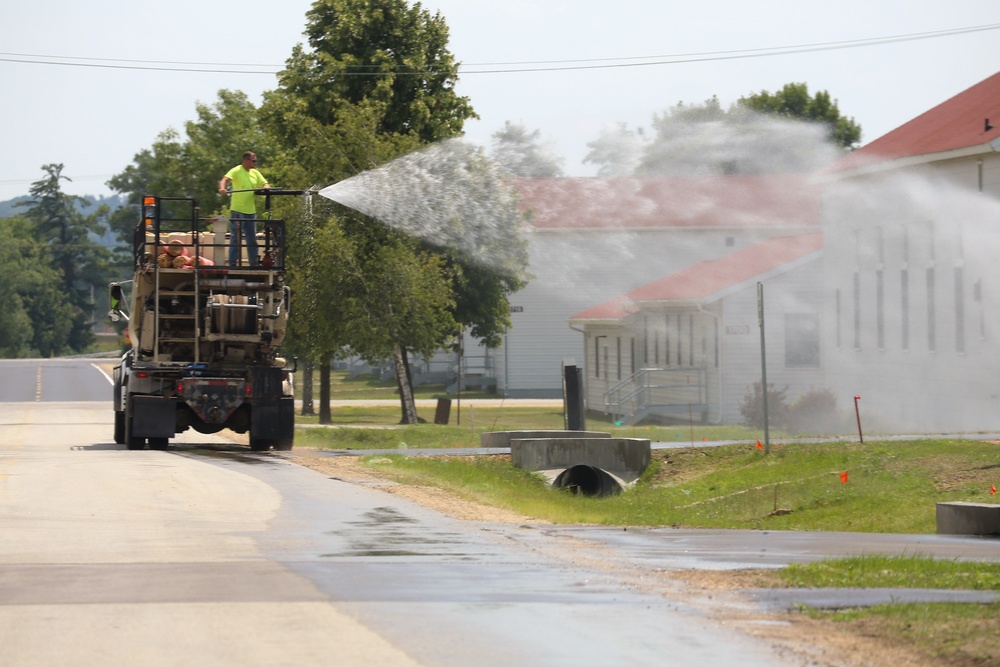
<point>205,336</point>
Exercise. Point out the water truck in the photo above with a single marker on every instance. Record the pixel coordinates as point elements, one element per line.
<point>205,336</point>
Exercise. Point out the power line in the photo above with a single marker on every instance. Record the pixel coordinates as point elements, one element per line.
<point>509,67</point>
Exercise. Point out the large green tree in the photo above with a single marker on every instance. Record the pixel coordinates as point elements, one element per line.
<point>81,262</point>
<point>37,312</point>
<point>794,101</point>
<point>376,82</point>
<point>191,165</point>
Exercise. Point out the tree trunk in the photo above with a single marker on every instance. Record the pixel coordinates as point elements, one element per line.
<point>307,388</point>
<point>324,390</point>
<point>405,390</point>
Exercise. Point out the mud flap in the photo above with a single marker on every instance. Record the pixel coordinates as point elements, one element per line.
<point>153,417</point>
<point>273,420</point>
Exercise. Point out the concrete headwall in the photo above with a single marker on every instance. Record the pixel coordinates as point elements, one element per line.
<point>625,458</point>
<point>958,518</point>
<point>504,438</point>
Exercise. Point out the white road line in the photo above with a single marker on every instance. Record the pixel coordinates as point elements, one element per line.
<point>104,373</point>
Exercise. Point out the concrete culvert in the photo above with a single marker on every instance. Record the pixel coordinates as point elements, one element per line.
<point>588,481</point>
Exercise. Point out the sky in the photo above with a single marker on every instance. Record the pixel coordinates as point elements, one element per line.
<point>591,65</point>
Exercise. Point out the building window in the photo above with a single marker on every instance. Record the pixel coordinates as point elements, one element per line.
<point>959,310</point>
<point>977,296</point>
<point>931,315</point>
<point>645,342</point>
<point>691,340</point>
<point>597,356</point>
<point>715,322</point>
<point>802,340</point>
<point>666,341</point>
<point>904,308</point>
<point>857,310</point>
<point>837,315</point>
<point>880,310</point>
<point>680,346</point>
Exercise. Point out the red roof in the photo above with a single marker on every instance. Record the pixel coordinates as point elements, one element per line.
<point>710,278</point>
<point>720,201</point>
<point>960,122</point>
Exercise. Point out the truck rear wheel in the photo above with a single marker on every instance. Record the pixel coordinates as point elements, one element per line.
<point>260,444</point>
<point>158,443</point>
<point>284,444</point>
<point>131,442</point>
<point>119,428</point>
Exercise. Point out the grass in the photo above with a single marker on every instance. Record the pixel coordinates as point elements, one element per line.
<point>953,634</point>
<point>956,635</point>
<point>891,487</point>
<point>880,571</point>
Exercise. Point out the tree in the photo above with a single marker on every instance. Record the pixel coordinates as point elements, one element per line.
<point>377,82</point>
<point>82,263</point>
<point>191,165</point>
<point>37,314</point>
<point>707,140</point>
<point>793,101</point>
<point>617,151</point>
<point>523,154</point>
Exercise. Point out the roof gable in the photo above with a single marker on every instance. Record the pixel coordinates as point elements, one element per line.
<point>664,202</point>
<point>712,279</point>
<point>955,124</point>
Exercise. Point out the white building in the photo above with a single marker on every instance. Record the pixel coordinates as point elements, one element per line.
<point>595,239</point>
<point>688,346</point>
<point>912,287</point>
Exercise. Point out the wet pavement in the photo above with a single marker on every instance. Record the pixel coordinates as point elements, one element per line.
<point>658,549</point>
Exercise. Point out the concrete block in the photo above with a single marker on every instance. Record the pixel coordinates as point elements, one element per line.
<point>626,458</point>
<point>958,518</point>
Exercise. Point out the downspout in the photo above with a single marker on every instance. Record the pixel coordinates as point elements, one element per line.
<point>586,378</point>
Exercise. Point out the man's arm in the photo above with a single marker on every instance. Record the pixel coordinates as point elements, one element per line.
<point>223,183</point>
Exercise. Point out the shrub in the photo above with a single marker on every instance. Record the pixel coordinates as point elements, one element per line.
<point>752,407</point>
<point>814,412</point>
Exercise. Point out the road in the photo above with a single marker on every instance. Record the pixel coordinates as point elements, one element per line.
<point>210,554</point>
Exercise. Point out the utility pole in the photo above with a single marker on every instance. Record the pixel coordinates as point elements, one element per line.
<point>763,364</point>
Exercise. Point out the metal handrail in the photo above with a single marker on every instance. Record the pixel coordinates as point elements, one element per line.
<point>650,386</point>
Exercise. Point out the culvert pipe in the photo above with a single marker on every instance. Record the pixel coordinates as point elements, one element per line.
<point>587,481</point>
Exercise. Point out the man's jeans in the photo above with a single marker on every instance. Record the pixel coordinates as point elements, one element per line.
<point>248,222</point>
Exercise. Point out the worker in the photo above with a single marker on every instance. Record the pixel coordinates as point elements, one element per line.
<point>244,178</point>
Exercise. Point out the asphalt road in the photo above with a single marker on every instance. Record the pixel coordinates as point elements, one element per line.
<point>209,554</point>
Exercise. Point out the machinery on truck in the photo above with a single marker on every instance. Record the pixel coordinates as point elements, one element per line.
<point>205,336</point>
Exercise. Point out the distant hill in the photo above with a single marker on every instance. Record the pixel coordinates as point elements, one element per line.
<point>8,209</point>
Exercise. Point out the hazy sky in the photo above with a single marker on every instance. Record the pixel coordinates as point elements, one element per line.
<point>95,119</point>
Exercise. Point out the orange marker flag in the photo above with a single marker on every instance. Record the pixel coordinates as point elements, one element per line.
<point>993,489</point>
<point>759,446</point>
<point>843,477</point>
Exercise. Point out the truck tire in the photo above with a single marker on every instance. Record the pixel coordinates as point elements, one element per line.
<point>284,444</point>
<point>130,442</point>
<point>119,428</point>
<point>158,443</point>
<point>260,444</point>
